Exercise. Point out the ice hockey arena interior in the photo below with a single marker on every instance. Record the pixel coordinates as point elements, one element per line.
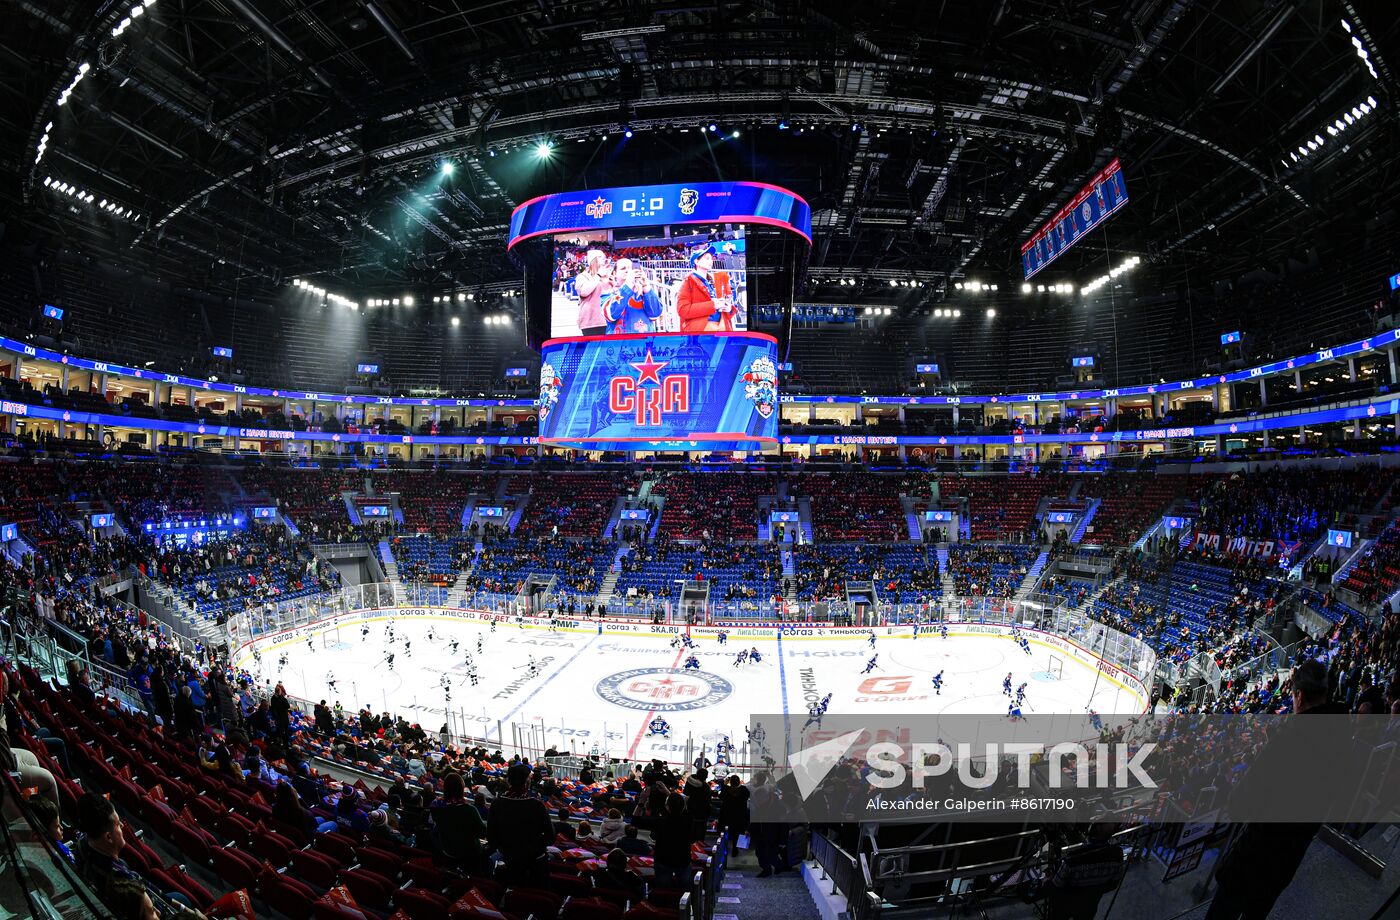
<point>578,460</point>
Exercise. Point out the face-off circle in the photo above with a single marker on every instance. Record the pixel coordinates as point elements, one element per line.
<point>663,689</point>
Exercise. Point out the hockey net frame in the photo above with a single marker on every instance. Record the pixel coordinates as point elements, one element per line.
<point>330,636</point>
<point>1055,667</point>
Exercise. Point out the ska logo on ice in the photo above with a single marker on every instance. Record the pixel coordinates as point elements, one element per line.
<point>664,689</point>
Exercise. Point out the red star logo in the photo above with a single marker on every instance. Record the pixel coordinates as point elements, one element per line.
<point>599,202</point>
<point>648,369</point>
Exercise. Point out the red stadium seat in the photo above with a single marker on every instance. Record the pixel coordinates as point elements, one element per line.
<point>316,868</point>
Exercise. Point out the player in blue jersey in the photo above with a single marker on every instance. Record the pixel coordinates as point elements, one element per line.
<point>742,657</point>
<point>1020,694</point>
<point>1013,712</point>
<point>872,638</point>
<point>1025,645</point>
<point>658,727</point>
<point>691,664</point>
<point>871,664</point>
<point>754,656</point>
<point>814,716</point>
<point>722,637</point>
<point>1096,720</point>
<point>938,684</point>
<point>1006,684</point>
<point>943,630</point>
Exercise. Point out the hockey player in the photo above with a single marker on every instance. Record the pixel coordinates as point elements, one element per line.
<point>871,664</point>
<point>1006,684</point>
<point>309,645</point>
<point>722,637</point>
<point>1096,720</point>
<point>330,680</point>
<point>532,667</point>
<point>408,653</point>
<point>691,664</point>
<point>1025,645</point>
<point>741,658</point>
<point>826,701</point>
<point>658,728</point>
<point>390,659</point>
<point>430,634</point>
<point>364,631</point>
<point>872,638</point>
<point>723,751</point>
<point>454,646</point>
<point>754,656</point>
<point>938,684</point>
<point>814,716</point>
<point>943,630</point>
<point>1013,712</point>
<point>282,661</point>
<point>1020,694</point>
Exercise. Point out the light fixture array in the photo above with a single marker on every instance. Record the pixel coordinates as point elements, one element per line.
<point>136,13</point>
<point>497,319</point>
<point>462,297</point>
<point>59,187</point>
<point>1361,51</point>
<point>1063,287</point>
<point>974,286</point>
<point>1337,128</point>
<point>1127,266</point>
<point>946,313</point>
<point>322,292</point>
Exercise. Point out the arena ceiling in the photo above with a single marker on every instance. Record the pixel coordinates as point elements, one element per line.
<point>240,143</point>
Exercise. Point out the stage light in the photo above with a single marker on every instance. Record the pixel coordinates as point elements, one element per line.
<point>957,314</point>
<point>543,150</point>
<point>855,126</point>
<point>782,126</point>
<point>396,301</point>
<point>447,167</point>
<point>461,297</point>
<point>893,283</point>
<point>1371,101</point>
<point>1040,289</point>
<point>1026,288</point>
<point>626,133</point>
<point>938,312</point>
<point>491,152</point>
<point>994,287</point>
<point>991,312</point>
<point>456,320</point>
<point>408,300</point>
<point>713,127</point>
<point>958,285</point>
<point>734,133</point>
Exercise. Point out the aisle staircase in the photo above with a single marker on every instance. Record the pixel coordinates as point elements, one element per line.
<point>386,559</point>
<point>1032,576</point>
<point>1086,520</point>
<point>944,575</point>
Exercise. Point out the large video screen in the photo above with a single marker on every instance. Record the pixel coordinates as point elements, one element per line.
<point>684,279</point>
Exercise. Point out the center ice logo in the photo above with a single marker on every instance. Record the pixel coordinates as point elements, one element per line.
<point>663,689</point>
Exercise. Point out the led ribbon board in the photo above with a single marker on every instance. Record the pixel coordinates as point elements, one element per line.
<point>648,392</point>
<point>1104,194</point>
<point>659,205</point>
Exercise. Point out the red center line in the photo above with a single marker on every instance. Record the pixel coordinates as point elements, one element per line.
<point>632,751</point>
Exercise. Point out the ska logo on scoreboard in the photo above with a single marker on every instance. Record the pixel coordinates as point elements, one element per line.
<point>649,396</point>
<point>663,689</point>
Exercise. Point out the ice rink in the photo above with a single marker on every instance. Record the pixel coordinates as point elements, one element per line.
<point>599,691</point>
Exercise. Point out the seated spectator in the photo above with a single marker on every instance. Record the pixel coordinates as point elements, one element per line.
<point>612,828</point>
<point>617,877</point>
<point>286,807</point>
<point>633,845</point>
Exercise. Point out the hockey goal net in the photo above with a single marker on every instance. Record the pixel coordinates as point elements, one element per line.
<point>1056,668</point>
<point>330,637</point>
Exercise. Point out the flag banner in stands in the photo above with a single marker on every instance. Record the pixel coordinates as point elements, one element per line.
<point>1105,193</point>
<point>1340,538</point>
<point>657,205</point>
<point>1235,546</point>
<point>888,763</point>
<point>657,392</point>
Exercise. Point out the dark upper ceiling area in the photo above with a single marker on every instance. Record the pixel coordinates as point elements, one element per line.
<point>241,143</point>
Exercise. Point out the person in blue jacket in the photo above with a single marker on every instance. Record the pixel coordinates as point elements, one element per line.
<point>634,306</point>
